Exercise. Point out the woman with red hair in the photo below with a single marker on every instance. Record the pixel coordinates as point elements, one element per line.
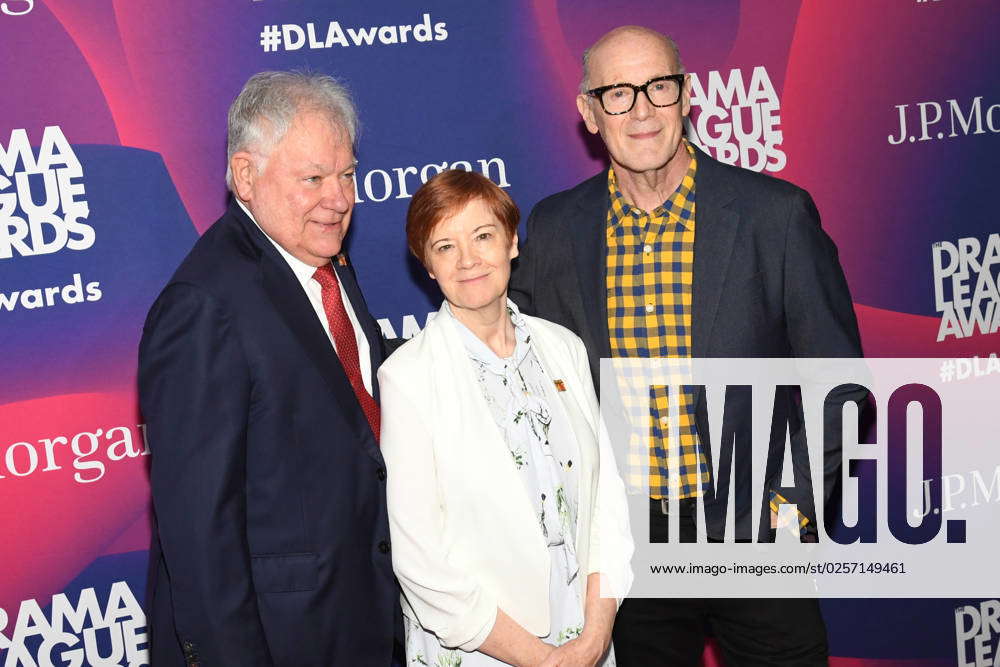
<point>507,512</point>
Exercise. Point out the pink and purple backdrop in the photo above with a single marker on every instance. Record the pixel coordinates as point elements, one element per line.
<point>140,89</point>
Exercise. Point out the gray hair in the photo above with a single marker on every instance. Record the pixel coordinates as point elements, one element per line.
<point>668,44</point>
<point>263,111</point>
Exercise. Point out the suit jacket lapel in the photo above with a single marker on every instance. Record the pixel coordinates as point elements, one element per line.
<point>292,304</point>
<point>716,222</point>
<point>588,232</point>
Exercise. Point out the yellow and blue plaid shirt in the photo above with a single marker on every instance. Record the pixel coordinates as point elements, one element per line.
<point>649,276</point>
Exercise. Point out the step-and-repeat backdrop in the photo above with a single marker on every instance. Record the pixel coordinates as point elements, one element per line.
<point>112,155</point>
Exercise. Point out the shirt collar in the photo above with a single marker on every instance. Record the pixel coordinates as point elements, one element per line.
<point>304,272</point>
<point>481,352</point>
<point>681,200</point>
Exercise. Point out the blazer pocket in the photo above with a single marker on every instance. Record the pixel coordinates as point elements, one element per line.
<point>284,573</point>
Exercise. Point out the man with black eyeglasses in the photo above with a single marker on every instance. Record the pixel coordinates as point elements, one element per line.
<point>670,253</point>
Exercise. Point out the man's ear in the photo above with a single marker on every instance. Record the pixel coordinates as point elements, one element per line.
<point>686,96</point>
<point>513,247</point>
<point>586,110</point>
<point>244,171</point>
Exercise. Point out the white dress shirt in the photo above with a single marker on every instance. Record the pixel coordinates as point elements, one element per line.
<point>314,291</point>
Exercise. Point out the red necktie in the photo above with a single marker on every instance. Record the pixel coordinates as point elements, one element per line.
<point>343,338</point>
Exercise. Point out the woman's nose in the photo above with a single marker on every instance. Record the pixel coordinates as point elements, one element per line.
<point>467,258</point>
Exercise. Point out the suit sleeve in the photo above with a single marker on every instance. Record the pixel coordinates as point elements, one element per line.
<point>522,280</point>
<point>820,313</point>
<point>611,544</point>
<point>195,393</point>
<point>447,601</point>
<point>818,307</point>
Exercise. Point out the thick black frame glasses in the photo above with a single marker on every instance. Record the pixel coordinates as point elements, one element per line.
<point>644,88</point>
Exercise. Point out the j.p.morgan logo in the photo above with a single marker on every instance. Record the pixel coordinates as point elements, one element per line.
<point>16,7</point>
<point>925,121</point>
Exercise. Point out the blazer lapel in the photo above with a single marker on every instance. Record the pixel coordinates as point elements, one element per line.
<point>551,353</point>
<point>466,416</point>
<point>716,223</point>
<point>588,232</point>
<point>290,301</point>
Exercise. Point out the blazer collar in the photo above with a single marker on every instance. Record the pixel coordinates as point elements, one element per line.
<point>590,248</point>
<point>552,352</point>
<point>717,216</point>
<point>290,301</point>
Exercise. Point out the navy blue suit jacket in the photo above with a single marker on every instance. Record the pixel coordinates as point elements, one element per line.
<point>766,283</point>
<point>272,539</point>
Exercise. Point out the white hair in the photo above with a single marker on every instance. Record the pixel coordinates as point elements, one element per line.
<point>263,111</point>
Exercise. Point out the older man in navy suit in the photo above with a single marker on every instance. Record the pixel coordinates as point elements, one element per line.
<point>257,382</point>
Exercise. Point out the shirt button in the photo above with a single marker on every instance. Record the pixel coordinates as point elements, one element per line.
<point>383,547</point>
<point>664,420</point>
<point>380,473</point>
<point>647,248</point>
<point>649,307</point>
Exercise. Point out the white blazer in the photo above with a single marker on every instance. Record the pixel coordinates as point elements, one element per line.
<point>465,539</point>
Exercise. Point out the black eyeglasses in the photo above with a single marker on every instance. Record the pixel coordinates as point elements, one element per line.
<point>619,98</point>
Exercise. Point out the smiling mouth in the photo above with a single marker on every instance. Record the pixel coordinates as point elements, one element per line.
<point>644,135</point>
<point>469,280</point>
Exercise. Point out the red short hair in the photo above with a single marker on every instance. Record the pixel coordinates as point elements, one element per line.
<point>448,193</point>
